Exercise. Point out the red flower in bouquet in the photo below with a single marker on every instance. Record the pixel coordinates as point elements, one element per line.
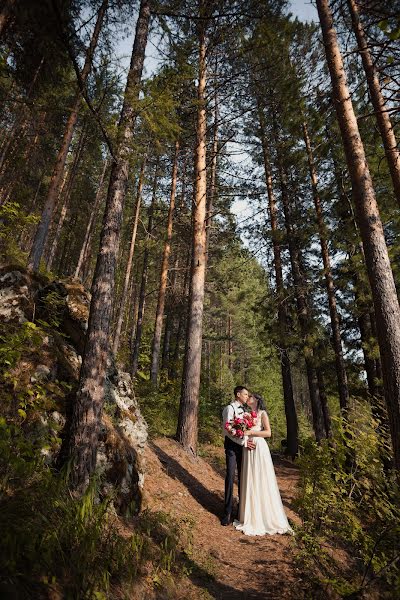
<point>239,425</point>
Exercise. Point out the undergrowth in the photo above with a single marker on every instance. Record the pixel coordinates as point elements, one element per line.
<point>349,501</point>
<point>52,544</point>
<point>80,548</point>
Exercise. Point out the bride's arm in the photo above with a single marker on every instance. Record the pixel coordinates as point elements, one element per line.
<point>266,431</point>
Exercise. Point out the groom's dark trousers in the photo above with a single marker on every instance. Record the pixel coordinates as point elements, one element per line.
<point>233,454</point>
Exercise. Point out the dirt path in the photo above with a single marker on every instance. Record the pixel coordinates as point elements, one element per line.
<point>228,563</point>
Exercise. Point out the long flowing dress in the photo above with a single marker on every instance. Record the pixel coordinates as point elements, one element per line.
<point>261,510</point>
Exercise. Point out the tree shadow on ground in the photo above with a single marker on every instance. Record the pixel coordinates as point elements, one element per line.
<point>288,471</point>
<point>212,502</point>
<point>220,591</point>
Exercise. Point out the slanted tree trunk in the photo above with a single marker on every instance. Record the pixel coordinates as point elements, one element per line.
<point>59,167</point>
<point>21,121</point>
<point>363,318</point>
<point>88,405</point>
<point>124,295</point>
<point>387,310</point>
<point>187,430</point>
<point>366,325</point>
<point>378,102</point>
<point>156,343</point>
<point>67,197</point>
<point>143,284</point>
<point>292,428</point>
<point>330,287</point>
<point>92,219</point>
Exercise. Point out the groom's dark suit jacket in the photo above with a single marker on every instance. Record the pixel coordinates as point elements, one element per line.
<point>233,452</point>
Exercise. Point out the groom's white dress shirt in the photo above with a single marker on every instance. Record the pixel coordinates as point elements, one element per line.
<point>230,412</point>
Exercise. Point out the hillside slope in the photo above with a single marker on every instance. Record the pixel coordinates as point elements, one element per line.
<point>227,564</point>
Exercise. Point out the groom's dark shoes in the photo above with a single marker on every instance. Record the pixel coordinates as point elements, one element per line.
<point>226,520</point>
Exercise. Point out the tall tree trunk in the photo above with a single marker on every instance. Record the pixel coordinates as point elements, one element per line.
<point>169,321</point>
<point>124,295</point>
<point>181,320</point>
<point>5,14</point>
<point>230,342</point>
<point>189,402</point>
<point>330,287</point>
<point>301,300</point>
<point>387,310</point>
<point>88,405</point>
<point>59,167</point>
<point>364,326</point>
<point>292,428</point>
<point>378,102</point>
<point>324,403</point>
<point>67,197</point>
<point>367,327</point>
<point>156,343</point>
<point>143,284</point>
<point>363,318</point>
<point>21,121</point>
<point>213,173</point>
<point>92,218</point>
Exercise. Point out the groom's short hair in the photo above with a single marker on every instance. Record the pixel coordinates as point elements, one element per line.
<point>238,389</point>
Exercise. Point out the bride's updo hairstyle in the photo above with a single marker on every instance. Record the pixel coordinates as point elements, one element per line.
<point>260,402</point>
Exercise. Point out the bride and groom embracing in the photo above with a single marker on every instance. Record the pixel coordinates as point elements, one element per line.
<point>260,506</point>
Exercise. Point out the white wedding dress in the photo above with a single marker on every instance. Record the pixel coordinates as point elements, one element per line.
<point>261,510</point>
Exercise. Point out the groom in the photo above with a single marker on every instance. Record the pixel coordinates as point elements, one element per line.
<point>234,449</point>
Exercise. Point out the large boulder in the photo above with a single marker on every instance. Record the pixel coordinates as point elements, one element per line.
<point>60,310</point>
<point>16,301</point>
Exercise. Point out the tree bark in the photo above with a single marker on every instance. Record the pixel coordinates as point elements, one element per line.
<point>67,197</point>
<point>301,300</point>
<point>324,403</point>
<point>124,295</point>
<point>387,310</point>
<point>89,229</point>
<point>88,406</point>
<point>156,343</point>
<point>230,342</point>
<point>330,287</point>
<point>189,403</point>
<point>378,102</point>
<point>169,321</point>
<point>213,173</point>
<point>20,122</point>
<point>292,428</point>
<point>59,167</point>
<point>181,320</point>
<point>143,283</point>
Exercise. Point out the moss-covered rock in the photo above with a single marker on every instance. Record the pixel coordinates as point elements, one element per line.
<point>45,324</point>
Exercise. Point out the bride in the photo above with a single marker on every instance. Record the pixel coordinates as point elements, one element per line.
<point>260,510</point>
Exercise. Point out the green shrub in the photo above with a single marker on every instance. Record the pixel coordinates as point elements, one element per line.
<point>50,539</point>
<point>13,222</point>
<point>350,504</point>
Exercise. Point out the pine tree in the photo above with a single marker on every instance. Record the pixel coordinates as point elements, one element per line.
<point>86,418</point>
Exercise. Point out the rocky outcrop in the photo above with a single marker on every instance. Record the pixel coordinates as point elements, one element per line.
<point>60,310</point>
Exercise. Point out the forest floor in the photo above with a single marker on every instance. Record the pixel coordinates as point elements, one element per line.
<point>226,563</point>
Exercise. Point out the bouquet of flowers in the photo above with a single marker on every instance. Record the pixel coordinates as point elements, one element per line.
<point>239,425</point>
